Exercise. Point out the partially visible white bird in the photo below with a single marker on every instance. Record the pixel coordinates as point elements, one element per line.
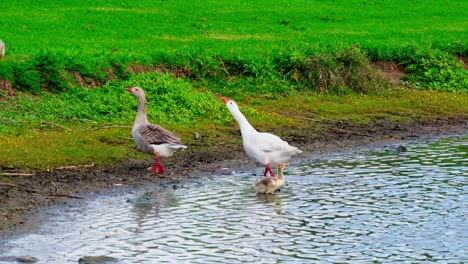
<point>2,49</point>
<point>152,139</point>
<point>267,149</point>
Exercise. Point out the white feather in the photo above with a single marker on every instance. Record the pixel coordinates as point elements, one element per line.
<point>166,150</point>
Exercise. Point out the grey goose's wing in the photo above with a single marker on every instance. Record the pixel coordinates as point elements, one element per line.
<point>155,134</point>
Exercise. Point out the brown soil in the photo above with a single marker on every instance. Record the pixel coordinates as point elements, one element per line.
<point>391,71</point>
<point>5,87</point>
<point>464,60</point>
<point>20,194</point>
<point>79,79</point>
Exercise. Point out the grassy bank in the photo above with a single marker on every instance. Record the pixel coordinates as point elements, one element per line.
<point>52,139</point>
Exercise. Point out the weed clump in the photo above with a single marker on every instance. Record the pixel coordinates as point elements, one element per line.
<point>338,72</point>
<point>438,70</point>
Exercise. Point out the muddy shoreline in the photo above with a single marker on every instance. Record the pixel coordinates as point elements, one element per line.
<point>23,196</point>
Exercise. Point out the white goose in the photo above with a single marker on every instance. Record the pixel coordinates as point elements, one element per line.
<point>267,149</point>
<point>152,139</point>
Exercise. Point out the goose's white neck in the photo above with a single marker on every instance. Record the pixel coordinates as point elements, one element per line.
<point>244,124</point>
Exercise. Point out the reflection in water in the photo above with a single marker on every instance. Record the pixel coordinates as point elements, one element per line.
<point>149,204</point>
<point>400,207</point>
<point>272,199</point>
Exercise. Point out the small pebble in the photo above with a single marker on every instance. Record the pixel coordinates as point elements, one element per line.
<point>97,260</point>
<point>26,259</point>
<point>401,148</point>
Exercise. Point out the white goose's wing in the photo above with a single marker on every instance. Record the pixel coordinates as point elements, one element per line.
<point>267,142</point>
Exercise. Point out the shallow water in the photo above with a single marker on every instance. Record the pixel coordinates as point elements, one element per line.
<point>355,208</point>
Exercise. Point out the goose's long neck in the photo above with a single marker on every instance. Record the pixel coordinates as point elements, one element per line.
<point>280,173</point>
<point>244,124</point>
<point>141,115</point>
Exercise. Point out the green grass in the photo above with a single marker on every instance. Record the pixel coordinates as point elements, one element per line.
<point>49,42</point>
<point>49,149</point>
<point>139,29</point>
<point>390,106</point>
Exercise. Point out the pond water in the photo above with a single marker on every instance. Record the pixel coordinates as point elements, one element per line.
<point>383,206</point>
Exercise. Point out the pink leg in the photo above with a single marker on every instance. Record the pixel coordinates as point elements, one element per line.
<point>158,168</point>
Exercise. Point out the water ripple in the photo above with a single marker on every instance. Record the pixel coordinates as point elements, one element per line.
<point>384,206</point>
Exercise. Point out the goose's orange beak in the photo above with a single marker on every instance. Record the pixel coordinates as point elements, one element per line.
<point>225,100</point>
<point>130,89</point>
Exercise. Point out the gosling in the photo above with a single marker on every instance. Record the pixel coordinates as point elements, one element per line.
<point>269,185</point>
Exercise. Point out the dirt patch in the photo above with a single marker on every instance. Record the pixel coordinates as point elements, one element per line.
<point>464,60</point>
<point>83,81</point>
<point>391,71</point>
<point>137,69</point>
<point>176,73</point>
<point>5,86</point>
<point>19,193</point>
